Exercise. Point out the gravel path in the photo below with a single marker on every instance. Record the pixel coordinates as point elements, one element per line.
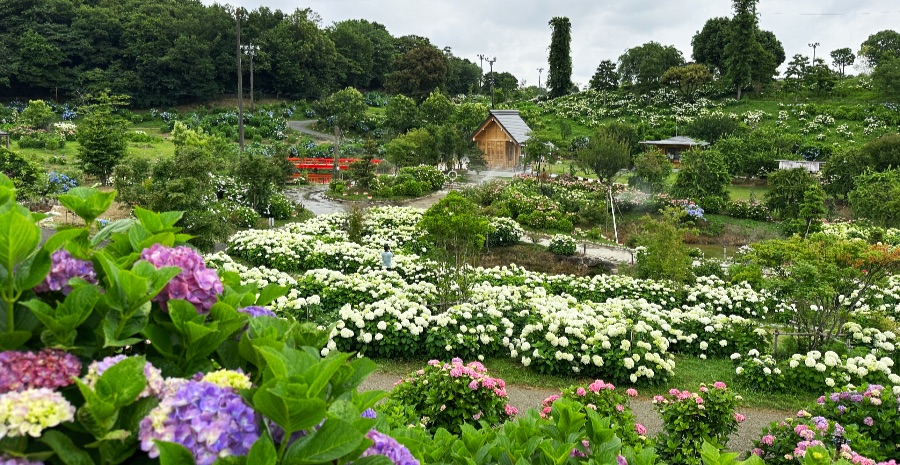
<point>526,397</point>
<point>304,127</point>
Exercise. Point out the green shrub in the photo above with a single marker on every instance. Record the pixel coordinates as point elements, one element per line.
<point>505,232</point>
<point>426,174</point>
<point>562,244</point>
<point>281,207</point>
<point>690,418</point>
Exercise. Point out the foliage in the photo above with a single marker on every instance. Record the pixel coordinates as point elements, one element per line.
<point>742,44</point>
<point>875,198</point>
<point>605,155</point>
<point>429,175</point>
<point>101,135</point>
<point>451,395</point>
<point>605,78</point>
<point>559,76</point>
<point>418,72</point>
<point>821,278</point>
<point>561,244</point>
<point>840,173</point>
<point>880,47</point>
<point>36,115</point>
<point>602,397</point>
<point>24,174</point>
<point>703,177</point>
<point>651,170</point>
<point>504,232</point>
<point>787,189</point>
<point>455,227</point>
<point>709,43</point>
<point>661,253</point>
<point>401,114</point>
<point>640,68</point>
<point>362,171</point>
<point>343,108</point>
<point>713,127</point>
<point>692,418</point>
<point>841,58</point>
<point>885,78</point>
<point>688,79</point>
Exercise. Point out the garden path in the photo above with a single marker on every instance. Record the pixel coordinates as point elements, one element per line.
<point>304,127</point>
<point>525,397</point>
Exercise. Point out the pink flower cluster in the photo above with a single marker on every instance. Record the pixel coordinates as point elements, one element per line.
<point>48,368</point>
<point>196,283</point>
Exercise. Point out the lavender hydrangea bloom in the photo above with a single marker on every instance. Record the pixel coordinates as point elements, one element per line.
<point>155,381</point>
<point>64,267</point>
<point>208,420</point>
<point>369,413</point>
<point>390,448</point>
<point>196,283</point>
<point>256,311</point>
<point>4,460</point>
<point>48,368</point>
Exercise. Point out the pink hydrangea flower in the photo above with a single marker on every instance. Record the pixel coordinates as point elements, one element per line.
<point>510,410</point>
<point>631,392</point>
<point>581,392</point>
<point>196,283</point>
<point>739,418</point>
<point>719,385</point>
<point>640,429</point>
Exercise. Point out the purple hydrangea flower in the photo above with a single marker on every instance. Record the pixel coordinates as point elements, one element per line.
<point>4,460</point>
<point>48,368</point>
<point>208,420</point>
<point>196,283</point>
<point>256,311</point>
<point>390,448</point>
<point>64,267</point>
<point>155,382</point>
<point>369,413</point>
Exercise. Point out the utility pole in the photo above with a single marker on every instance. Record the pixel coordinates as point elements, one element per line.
<point>250,50</point>
<point>491,62</point>
<point>540,70</point>
<point>481,65</point>
<point>240,84</point>
<point>814,45</point>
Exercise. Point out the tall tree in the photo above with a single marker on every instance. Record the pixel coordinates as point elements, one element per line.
<point>559,76</point>
<point>355,54</point>
<point>605,155</point>
<point>886,78</point>
<point>641,67</point>
<point>879,47</point>
<point>709,43</point>
<point>741,44</point>
<point>462,74</point>
<point>418,72</point>
<point>301,56</point>
<point>605,78</point>
<point>842,58</point>
<point>436,110</point>
<point>401,113</point>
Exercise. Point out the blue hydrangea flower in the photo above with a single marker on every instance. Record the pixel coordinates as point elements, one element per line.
<point>390,448</point>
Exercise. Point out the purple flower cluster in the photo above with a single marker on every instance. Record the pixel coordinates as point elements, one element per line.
<point>155,381</point>
<point>390,448</point>
<point>48,368</point>
<point>4,460</point>
<point>208,420</point>
<point>64,267</point>
<point>196,283</point>
<point>256,311</point>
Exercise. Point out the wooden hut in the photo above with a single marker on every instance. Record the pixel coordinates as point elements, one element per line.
<point>501,137</point>
<point>673,146</point>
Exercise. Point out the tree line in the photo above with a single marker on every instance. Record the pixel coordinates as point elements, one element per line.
<point>170,52</point>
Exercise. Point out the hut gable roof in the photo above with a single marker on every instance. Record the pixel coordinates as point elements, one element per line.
<point>511,122</point>
<point>676,141</point>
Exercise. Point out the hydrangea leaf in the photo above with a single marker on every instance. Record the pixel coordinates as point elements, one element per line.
<point>65,449</point>
<point>87,203</point>
<point>30,273</point>
<point>263,451</point>
<point>121,383</point>
<point>171,453</point>
<point>333,440</point>
<point>284,404</point>
<point>19,237</point>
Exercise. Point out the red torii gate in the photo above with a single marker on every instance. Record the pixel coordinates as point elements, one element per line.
<point>325,165</point>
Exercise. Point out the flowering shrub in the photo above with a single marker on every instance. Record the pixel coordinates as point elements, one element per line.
<point>875,413</point>
<point>690,418</point>
<point>449,395</point>
<point>48,368</point>
<point>59,183</point>
<point>194,283</point>
<point>63,268</point>
<point>562,244</point>
<point>603,398</point>
<point>505,232</point>
<point>749,210</point>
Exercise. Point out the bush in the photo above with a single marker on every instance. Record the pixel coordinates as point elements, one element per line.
<point>748,210</point>
<point>449,395</point>
<point>505,232</point>
<point>691,418</point>
<point>562,244</point>
<point>281,207</point>
<point>603,398</point>
<point>42,140</point>
<point>427,174</point>
<point>25,175</point>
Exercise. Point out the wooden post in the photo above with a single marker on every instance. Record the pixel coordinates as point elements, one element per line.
<point>240,84</point>
<point>775,343</point>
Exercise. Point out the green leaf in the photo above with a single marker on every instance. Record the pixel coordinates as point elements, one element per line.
<point>263,452</point>
<point>283,403</point>
<point>33,271</point>
<point>373,460</point>
<point>88,203</point>
<point>118,226</point>
<point>270,293</point>
<point>61,237</point>
<point>333,440</point>
<point>121,383</point>
<point>19,237</point>
<point>65,449</point>
<point>13,340</point>
<point>171,453</point>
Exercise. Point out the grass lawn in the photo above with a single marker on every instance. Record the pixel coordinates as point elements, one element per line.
<point>742,192</point>
<point>689,373</point>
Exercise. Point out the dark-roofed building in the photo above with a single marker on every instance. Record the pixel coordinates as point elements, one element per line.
<point>501,137</point>
<point>673,146</point>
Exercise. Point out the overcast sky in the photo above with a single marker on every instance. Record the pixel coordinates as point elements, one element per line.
<point>517,34</point>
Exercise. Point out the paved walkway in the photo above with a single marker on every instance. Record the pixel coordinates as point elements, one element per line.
<point>527,397</point>
<point>304,127</point>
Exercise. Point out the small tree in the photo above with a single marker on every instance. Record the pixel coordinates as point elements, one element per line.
<point>363,170</point>
<point>877,197</point>
<point>37,115</point>
<point>787,189</point>
<point>687,79</point>
<point>842,58</point>
<point>886,78</point>
<point>101,135</point>
<point>839,174</point>
<point>712,127</point>
<point>343,109</point>
<point>401,114</point>
<point>703,177</point>
<point>651,170</point>
<point>605,155</point>
<point>661,251</point>
<point>606,77</point>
